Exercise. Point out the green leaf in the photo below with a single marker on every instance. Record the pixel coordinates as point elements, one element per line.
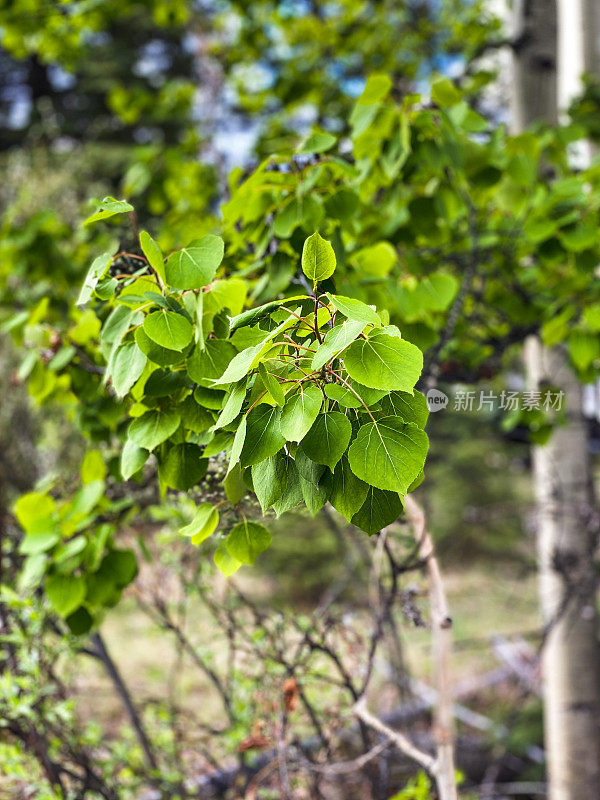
<point>233,405</point>
<point>336,340</point>
<point>153,254</point>
<point>34,511</point>
<point>343,204</point>
<point>377,260</point>
<point>234,485</point>
<point>292,494</point>
<point>355,309</point>
<point>183,466</point>
<point>314,493</point>
<point>80,622</point>
<point>318,258</point>
<point>196,265</point>
<point>240,365</point>
<point>121,565</point>
<point>225,563</point>
<point>411,407</point>
<point>300,411</point>
<point>348,493</point>
<point>108,208</point>
<point>219,443</point>
<point>383,362</point>
<point>249,358</point>
<point>65,593</point>
<point>263,435</point>
<point>195,417</point>
<point>254,315</point>
<point>307,211</point>
<point>153,428</point>
<point>96,272</point>
<point>209,398</point>
<point>388,454</point>
<point>93,467</point>
<point>168,329</point>
<point>269,479</point>
<point>376,89</point>
<point>205,366</point>
<point>228,293</point>
<point>203,524</point>
<point>380,508</point>
<point>328,438</point>
<point>133,459</point>
<point>237,445</point>
<point>246,541</point>
<point>157,354</point>
<point>38,542</point>
<point>271,384</point>
<point>126,367</point>
<point>444,93</point>
<point>317,143</point>
<point>348,398</point>
<point>584,348</point>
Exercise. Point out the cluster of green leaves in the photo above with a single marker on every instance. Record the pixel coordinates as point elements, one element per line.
<point>311,399</point>
<point>70,546</point>
<point>427,200</point>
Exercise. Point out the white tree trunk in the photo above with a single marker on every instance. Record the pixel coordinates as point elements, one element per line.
<point>566,524</point>
<point>534,94</point>
<point>566,532</point>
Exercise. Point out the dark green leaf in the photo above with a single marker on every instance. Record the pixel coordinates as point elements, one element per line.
<point>168,329</point>
<point>300,411</point>
<point>388,454</point>
<point>205,366</point>
<point>348,493</point>
<point>328,438</point>
<point>183,466</point>
<point>157,354</point>
<point>314,492</point>
<point>153,428</point>
<point>263,435</point>
<point>380,508</point>
<point>269,479</point>
<point>65,593</point>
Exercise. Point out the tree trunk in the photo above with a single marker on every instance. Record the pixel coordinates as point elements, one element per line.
<point>566,524</point>
<point>534,96</point>
<point>566,533</point>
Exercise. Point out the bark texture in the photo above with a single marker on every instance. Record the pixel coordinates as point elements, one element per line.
<point>551,31</point>
<point>566,542</point>
<point>534,95</point>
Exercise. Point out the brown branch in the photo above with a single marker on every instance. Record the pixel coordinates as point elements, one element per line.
<point>441,649</point>
<point>101,653</point>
